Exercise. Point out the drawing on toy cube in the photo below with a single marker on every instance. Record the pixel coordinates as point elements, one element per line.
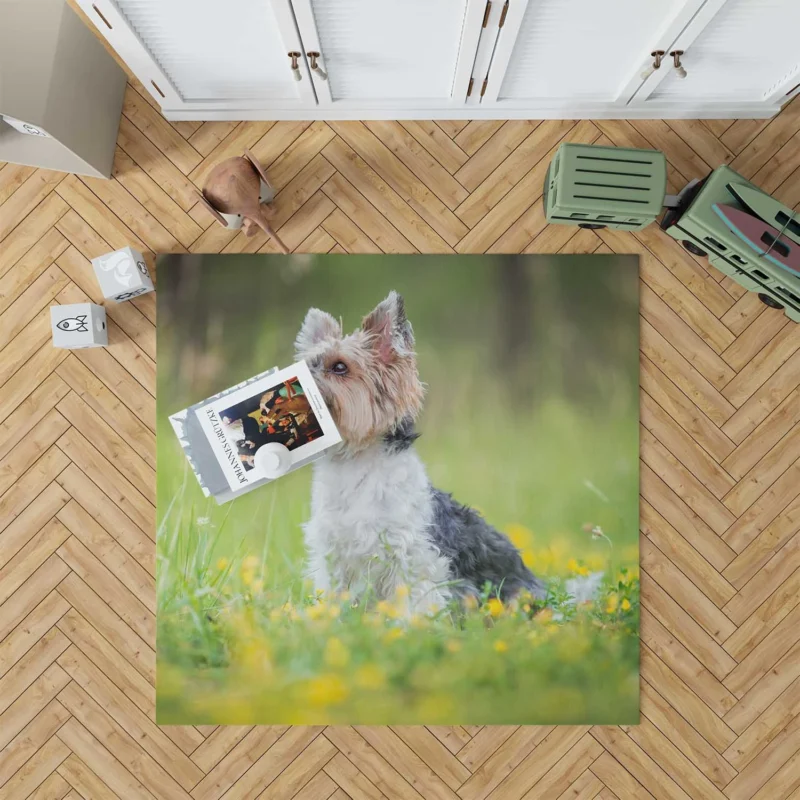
<point>78,325</point>
<point>122,275</point>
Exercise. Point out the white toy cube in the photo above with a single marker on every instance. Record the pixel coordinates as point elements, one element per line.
<point>122,274</point>
<point>79,325</point>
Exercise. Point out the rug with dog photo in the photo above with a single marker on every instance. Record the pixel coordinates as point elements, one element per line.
<point>457,541</point>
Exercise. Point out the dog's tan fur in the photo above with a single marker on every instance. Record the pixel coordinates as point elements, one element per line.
<point>381,387</point>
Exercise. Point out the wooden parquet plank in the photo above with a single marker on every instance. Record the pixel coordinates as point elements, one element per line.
<point>84,782</point>
<point>437,143</point>
<point>384,198</point>
<point>679,733</point>
<point>692,707</point>
<point>127,732</point>
<point>691,597</point>
<point>720,510</point>
<point>401,179</point>
<point>779,568</point>
<point>110,480</point>
<point>101,763</point>
<point>425,168</point>
<point>31,738</point>
<point>81,597</point>
<point>12,176</point>
<point>26,198</point>
<point>236,761</point>
<point>116,524</point>
<point>30,267</point>
<point>147,119</point>
<point>348,778</point>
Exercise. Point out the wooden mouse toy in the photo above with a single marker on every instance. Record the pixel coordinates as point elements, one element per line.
<point>235,193</point>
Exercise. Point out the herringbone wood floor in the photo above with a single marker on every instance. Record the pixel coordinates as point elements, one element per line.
<point>720,507</point>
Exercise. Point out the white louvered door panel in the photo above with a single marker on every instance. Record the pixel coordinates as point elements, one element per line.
<point>208,53</point>
<point>391,53</point>
<point>579,51</point>
<point>750,50</point>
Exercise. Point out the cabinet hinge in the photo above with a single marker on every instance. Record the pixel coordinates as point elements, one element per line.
<point>469,88</point>
<point>483,88</point>
<point>503,15</point>
<point>486,13</point>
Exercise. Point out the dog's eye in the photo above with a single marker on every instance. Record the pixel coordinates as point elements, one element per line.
<point>339,368</point>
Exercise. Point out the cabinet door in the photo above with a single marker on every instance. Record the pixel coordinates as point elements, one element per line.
<point>206,54</point>
<point>557,53</point>
<point>390,53</point>
<point>736,51</point>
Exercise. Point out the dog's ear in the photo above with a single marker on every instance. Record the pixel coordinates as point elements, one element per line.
<point>317,325</point>
<point>389,326</point>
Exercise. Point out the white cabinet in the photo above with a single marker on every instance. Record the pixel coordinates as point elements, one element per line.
<point>390,53</point>
<point>579,52</point>
<point>744,52</point>
<point>384,59</point>
<point>206,54</point>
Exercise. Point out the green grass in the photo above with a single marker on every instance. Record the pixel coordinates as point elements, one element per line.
<point>243,639</point>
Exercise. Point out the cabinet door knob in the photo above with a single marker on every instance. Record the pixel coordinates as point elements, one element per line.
<point>676,59</point>
<point>657,56</point>
<point>295,66</point>
<point>313,56</point>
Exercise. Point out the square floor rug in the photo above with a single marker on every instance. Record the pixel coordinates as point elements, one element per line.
<point>398,489</point>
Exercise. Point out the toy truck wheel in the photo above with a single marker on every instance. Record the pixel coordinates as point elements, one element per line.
<point>592,226</point>
<point>769,301</point>
<point>693,248</point>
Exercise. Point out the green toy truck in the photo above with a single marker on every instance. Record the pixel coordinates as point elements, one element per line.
<point>598,187</point>
<point>702,232</point>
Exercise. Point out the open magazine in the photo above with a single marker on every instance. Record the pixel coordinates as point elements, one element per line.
<point>223,434</point>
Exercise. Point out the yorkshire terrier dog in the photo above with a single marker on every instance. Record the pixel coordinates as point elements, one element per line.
<point>376,522</point>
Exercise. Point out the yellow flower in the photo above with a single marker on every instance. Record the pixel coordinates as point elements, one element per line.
<point>495,606</point>
<point>500,646</point>
<point>383,608</point>
<point>402,592</point>
<point>528,559</point>
<point>520,536</point>
<point>625,605</point>
<point>611,603</point>
<point>326,690</point>
<point>222,563</point>
<point>251,562</point>
<point>336,654</point>
<point>392,635</point>
<point>576,568</point>
<point>258,586</point>
<point>370,676</point>
<point>453,645</point>
<point>316,611</point>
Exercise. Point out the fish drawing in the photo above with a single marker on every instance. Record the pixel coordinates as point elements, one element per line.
<point>77,324</point>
